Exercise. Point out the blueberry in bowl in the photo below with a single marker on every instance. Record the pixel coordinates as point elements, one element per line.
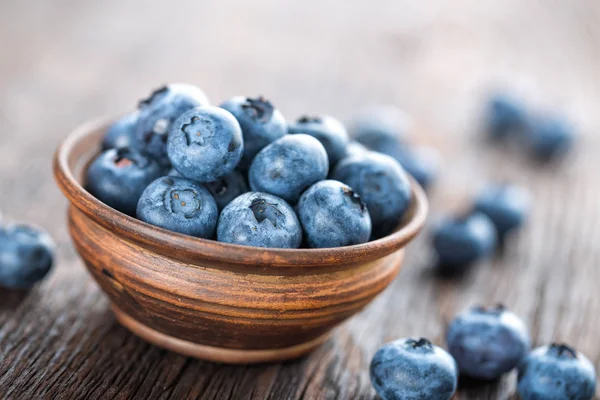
<point>221,301</point>
<point>328,130</point>
<point>121,132</point>
<point>205,144</point>
<point>288,166</point>
<point>226,189</point>
<point>487,342</point>
<point>413,369</point>
<point>26,255</point>
<point>260,121</point>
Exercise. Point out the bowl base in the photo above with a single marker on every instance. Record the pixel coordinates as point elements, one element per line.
<point>211,353</point>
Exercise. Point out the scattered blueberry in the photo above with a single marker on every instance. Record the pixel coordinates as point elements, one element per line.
<point>506,205</point>
<point>157,113</point>
<point>261,124</point>
<point>121,132</point>
<point>332,215</point>
<point>227,188</point>
<point>462,241</point>
<point>382,184</point>
<point>328,130</point>
<point>380,126</point>
<point>556,372</point>
<point>409,369</point>
<point>26,256</point>
<point>180,205</point>
<point>205,144</point>
<point>260,220</point>
<point>117,177</point>
<point>550,138</point>
<point>505,116</point>
<point>288,166</point>
<point>421,162</point>
<point>487,342</point>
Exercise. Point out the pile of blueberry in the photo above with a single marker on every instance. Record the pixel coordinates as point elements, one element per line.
<point>239,173</point>
<point>26,255</point>
<point>483,344</point>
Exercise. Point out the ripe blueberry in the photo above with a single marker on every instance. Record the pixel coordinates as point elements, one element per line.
<point>328,130</point>
<point>121,132</point>
<point>507,207</point>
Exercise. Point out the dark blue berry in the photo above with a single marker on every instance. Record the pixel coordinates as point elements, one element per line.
<point>117,177</point>
<point>121,132</point>
<point>409,369</point>
<point>505,116</point>
<point>328,130</point>
<point>333,215</point>
<point>157,113</point>
<point>550,138</point>
<point>487,342</point>
<point>180,205</point>
<point>462,241</point>
<point>260,220</point>
<point>506,205</point>
<point>205,144</point>
<point>228,188</point>
<point>26,256</point>
<point>556,372</point>
<point>261,124</point>
<point>288,166</point>
<point>382,184</point>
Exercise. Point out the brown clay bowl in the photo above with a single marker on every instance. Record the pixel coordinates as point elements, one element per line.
<point>218,301</point>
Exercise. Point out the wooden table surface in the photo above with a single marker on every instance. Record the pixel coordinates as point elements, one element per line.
<point>64,62</point>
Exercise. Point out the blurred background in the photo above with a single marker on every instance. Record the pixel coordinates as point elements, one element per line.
<point>65,62</point>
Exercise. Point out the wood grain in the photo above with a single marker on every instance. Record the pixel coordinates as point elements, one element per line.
<point>67,62</point>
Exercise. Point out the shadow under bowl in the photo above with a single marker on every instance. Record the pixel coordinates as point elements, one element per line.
<point>218,301</point>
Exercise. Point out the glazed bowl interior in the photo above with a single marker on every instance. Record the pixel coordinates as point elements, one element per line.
<point>80,148</point>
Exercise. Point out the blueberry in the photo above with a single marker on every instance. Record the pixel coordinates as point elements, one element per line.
<point>556,372</point>
<point>462,241</point>
<point>117,177</point>
<point>333,215</point>
<point>550,138</point>
<point>180,205</point>
<point>409,369</point>
<point>328,130</point>
<point>380,126</point>
<point>26,256</point>
<point>261,124</point>
<point>288,166</point>
<point>157,113</point>
<point>487,342</point>
<point>205,144</point>
<point>227,188</point>
<point>121,132</point>
<point>421,162</point>
<point>260,220</point>
<point>382,184</point>
<point>506,205</point>
<point>505,116</point>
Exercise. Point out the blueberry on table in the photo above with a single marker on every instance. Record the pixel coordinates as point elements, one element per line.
<point>157,113</point>
<point>462,241</point>
<point>179,205</point>
<point>288,166</point>
<point>26,255</point>
<point>505,116</point>
<point>487,342</point>
<point>382,184</point>
<point>260,121</point>
<point>381,128</point>
<point>260,220</point>
<point>117,177</point>
<point>421,162</point>
<point>227,188</point>
<point>409,369</point>
<point>328,130</point>
<point>556,372</point>
<point>333,215</point>
<point>205,144</point>
<point>550,138</point>
<point>507,206</point>
<point>121,132</point>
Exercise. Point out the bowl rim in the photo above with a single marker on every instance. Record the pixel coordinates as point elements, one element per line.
<point>188,248</point>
